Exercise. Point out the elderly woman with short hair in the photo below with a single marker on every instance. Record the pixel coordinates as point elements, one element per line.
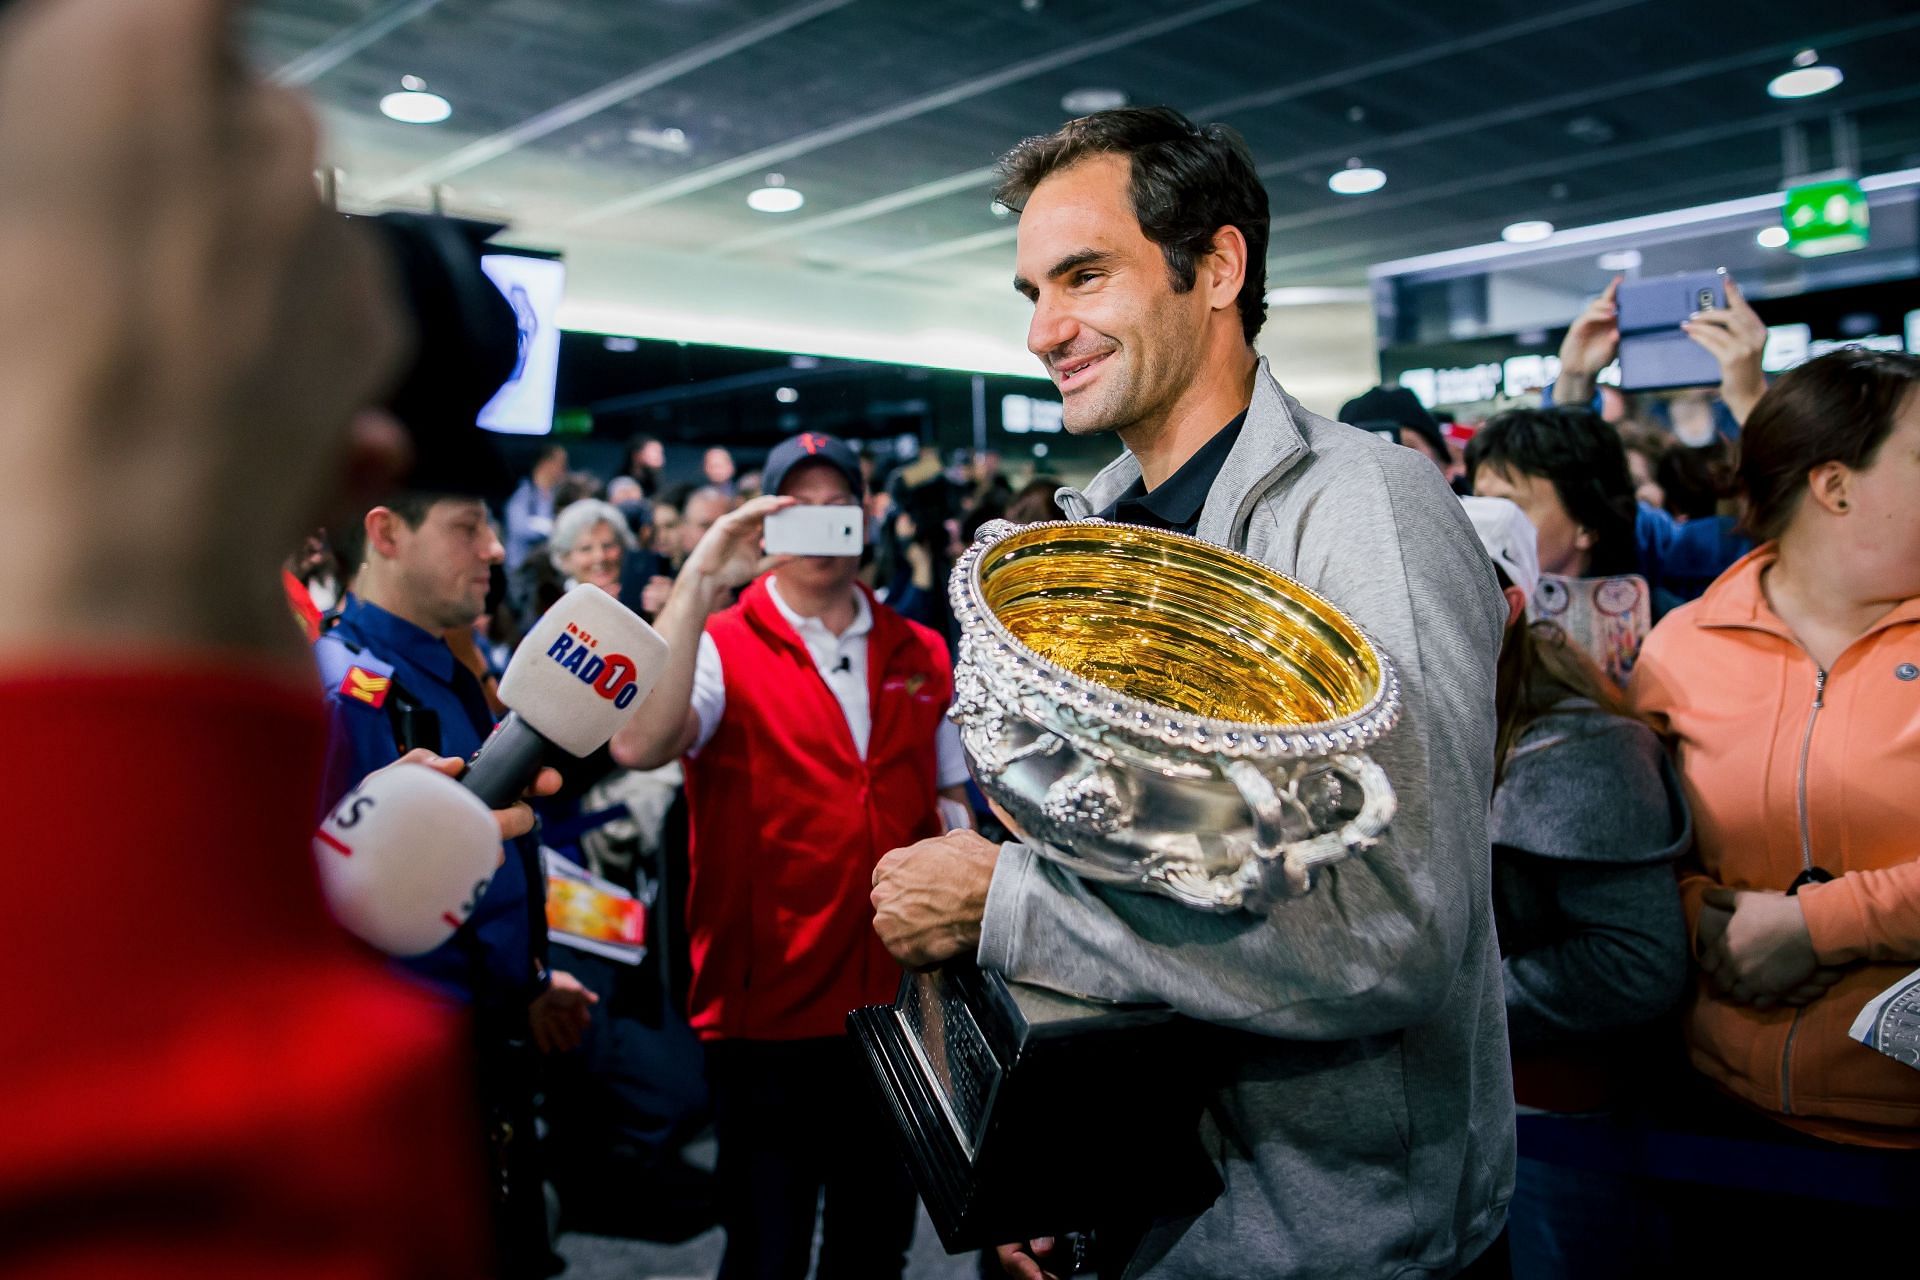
<point>590,542</point>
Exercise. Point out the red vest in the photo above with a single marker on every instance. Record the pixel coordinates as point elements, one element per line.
<point>788,822</point>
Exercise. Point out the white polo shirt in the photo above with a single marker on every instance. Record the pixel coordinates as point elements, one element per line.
<point>842,663</point>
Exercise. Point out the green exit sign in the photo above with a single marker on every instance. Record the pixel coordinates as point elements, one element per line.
<point>1825,217</point>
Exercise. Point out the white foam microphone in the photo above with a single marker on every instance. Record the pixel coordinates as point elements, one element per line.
<point>404,857</point>
<point>580,674</point>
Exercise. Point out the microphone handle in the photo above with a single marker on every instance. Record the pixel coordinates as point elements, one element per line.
<point>507,763</point>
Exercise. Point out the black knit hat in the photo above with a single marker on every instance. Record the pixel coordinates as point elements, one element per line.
<point>1392,406</point>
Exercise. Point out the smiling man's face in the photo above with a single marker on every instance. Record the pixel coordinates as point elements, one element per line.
<point>1117,340</point>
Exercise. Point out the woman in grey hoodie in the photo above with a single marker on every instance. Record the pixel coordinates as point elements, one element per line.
<point>1588,817</point>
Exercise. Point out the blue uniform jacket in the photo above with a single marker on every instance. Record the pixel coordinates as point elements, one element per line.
<point>1680,561</point>
<point>497,959</point>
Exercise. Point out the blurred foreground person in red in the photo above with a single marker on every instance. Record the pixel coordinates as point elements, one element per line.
<point>203,1076</point>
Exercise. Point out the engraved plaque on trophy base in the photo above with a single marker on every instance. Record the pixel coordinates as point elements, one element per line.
<point>1022,1112</point>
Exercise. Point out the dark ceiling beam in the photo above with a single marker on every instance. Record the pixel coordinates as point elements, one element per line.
<point>376,26</point>
<point>1347,258</point>
<point>1592,94</point>
<point>1553,167</point>
<point>1405,197</point>
<point>1353,257</point>
<point>983,176</point>
<point>756,161</point>
<point>599,99</point>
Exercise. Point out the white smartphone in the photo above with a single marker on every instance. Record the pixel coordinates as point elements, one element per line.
<point>816,531</point>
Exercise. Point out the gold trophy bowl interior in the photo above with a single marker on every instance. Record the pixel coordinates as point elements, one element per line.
<point>1179,623</point>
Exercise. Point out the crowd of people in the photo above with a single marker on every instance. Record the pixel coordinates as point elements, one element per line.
<point>1659,665</point>
<point>432,594</point>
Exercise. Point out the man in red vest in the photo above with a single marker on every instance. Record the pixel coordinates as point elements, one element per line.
<point>813,720</point>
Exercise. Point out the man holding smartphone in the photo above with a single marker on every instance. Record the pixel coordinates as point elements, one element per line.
<point>813,722</point>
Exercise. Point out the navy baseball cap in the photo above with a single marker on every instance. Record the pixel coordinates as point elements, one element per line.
<point>811,446</point>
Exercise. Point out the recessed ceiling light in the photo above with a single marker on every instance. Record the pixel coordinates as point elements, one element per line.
<point>1084,102</point>
<point>786,395</point>
<point>1772,238</point>
<point>1356,179</point>
<point>775,197</point>
<point>415,106</point>
<point>1619,260</point>
<point>1808,77</point>
<point>775,200</point>
<point>1526,232</point>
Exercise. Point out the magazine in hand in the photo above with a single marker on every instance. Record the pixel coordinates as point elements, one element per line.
<point>594,915</point>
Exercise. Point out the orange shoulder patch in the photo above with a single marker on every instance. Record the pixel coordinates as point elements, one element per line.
<point>364,686</point>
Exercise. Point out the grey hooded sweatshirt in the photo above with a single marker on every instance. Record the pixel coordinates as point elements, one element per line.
<point>1366,1127</point>
<point>1587,823</point>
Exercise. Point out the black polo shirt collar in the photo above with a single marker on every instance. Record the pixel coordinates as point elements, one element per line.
<point>1176,503</point>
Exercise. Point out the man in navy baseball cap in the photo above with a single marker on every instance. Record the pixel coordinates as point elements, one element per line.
<point>812,720</point>
<point>810,447</point>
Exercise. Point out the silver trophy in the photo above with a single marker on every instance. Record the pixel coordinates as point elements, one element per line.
<point>1158,712</point>
<point>1154,712</point>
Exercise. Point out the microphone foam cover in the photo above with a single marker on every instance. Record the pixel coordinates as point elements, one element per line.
<point>583,670</point>
<point>405,856</point>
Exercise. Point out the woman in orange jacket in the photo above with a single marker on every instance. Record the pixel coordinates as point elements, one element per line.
<point>1791,690</point>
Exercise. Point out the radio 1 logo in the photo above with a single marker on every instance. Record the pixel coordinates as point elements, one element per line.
<point>609,675</point>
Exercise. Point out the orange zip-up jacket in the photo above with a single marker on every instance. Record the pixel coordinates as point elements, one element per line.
<point>1789,767</point>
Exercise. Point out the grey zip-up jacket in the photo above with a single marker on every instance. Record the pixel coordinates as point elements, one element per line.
<point>1367,1127</point>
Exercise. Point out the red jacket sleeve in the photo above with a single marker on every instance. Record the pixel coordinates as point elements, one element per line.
<point>203,1075</point>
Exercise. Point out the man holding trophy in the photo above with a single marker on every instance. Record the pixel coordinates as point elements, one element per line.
<point>1358,1106</point>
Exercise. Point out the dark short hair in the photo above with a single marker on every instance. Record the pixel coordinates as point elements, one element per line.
<point>1584,461</point>
<point>1838,408</point>
<point>1696,477</point>
<point>411,505</point>
<point>1188,181</point>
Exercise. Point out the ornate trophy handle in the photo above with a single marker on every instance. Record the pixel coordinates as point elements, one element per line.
<point>1287,848</point>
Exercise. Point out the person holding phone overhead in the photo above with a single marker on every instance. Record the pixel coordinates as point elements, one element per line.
<point>1733,334</point>
<point>1678,559</point>
<point>813,722</point>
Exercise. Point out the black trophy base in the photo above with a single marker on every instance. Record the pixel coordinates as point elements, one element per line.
<point>1025,1113</point>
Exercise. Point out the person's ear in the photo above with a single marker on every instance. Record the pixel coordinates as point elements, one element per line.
<point>1584,538</point>
<point>1830,485</point>
<point>1225,268</point>
<point>1516,604</point>
<point>384,527</point>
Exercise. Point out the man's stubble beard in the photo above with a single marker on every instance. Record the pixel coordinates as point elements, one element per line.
<point>445,611</point>
<point>1131,403</point>
<point>1114,411</point>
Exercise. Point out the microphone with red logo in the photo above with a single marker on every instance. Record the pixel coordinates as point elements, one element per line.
<point>404,857</point>
<point>580,674</point>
